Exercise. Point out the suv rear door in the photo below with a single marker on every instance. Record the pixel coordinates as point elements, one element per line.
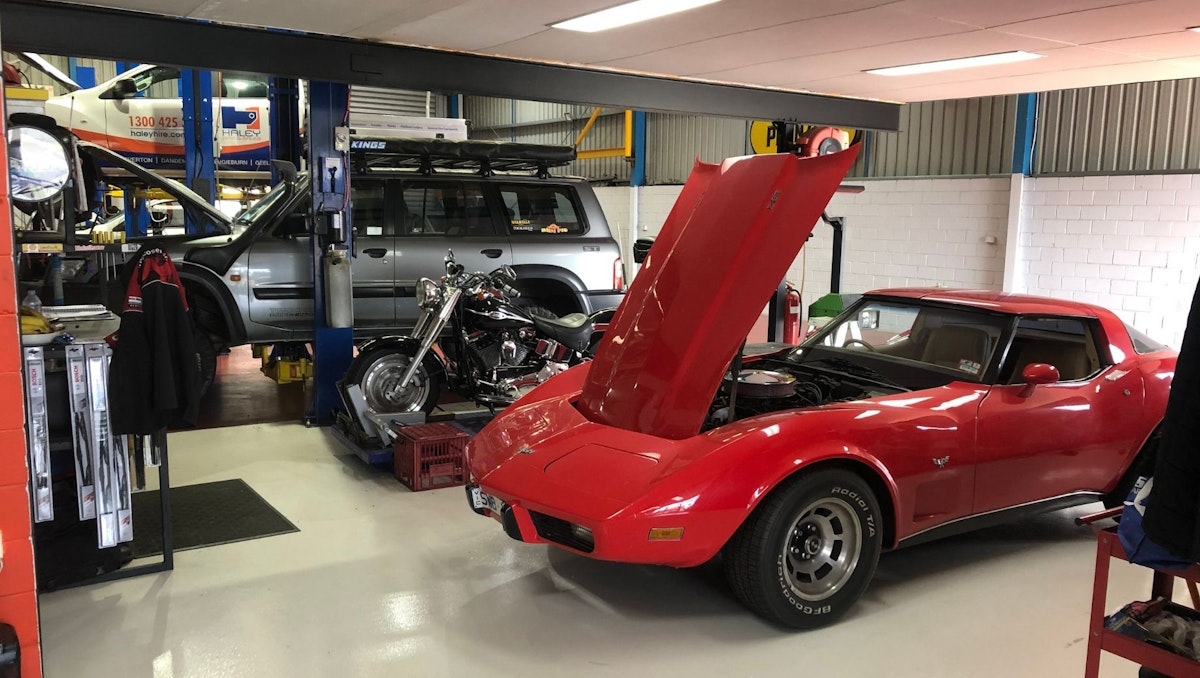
<point>547,225</point>
<point>374,266</point>
<point>433,215</point>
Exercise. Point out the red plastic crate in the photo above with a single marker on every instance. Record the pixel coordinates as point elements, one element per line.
<point>429,456</point>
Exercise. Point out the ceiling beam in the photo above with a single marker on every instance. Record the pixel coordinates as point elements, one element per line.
<point>82,31</point>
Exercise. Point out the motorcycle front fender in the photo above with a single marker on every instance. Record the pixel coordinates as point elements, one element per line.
<point>404,344</point>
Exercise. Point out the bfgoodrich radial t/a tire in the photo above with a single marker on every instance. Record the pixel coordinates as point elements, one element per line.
<point>807,553</point>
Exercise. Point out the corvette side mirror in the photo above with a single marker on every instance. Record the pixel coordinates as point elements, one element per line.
<point>1037,374</point>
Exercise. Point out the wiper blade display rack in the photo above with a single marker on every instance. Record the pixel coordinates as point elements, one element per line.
<point>426,156</point>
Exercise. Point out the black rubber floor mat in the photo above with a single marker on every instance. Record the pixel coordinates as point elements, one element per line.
<point>202,515</point>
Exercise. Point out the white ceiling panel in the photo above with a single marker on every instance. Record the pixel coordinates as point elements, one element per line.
<point>821,45</point>
<point>1083,77</point>
<point>167,7</point>
<point>477,25</point>
<point>304,15</point>
<point>1112,23</point>
<point>791,40</point>
<point>1157,47</point>
<point>688,28</point>
<point>1001,12</point>
<point>791,72</point>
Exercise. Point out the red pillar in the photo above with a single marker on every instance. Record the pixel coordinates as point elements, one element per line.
<point>18,594</point>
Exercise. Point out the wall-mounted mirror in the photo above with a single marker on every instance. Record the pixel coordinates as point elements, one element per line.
<point>37,164</point>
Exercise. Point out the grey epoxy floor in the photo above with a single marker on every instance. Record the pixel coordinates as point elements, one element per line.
<point>384,582</point>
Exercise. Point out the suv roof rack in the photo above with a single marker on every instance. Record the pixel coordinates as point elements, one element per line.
<point>427,155</point>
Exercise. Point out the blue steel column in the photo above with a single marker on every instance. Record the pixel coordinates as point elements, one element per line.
<point>637,176</point>
<point>333,348</point>
<point>284,94</point>
<point>137,216</point>
<point>1025,134</point>
<point>199,156</point>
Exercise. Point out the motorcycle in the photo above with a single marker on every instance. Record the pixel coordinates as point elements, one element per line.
<point>495,351</point>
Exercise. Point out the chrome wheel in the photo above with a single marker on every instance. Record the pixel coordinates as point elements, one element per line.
<point>381,385</point>
<point>821,549</point>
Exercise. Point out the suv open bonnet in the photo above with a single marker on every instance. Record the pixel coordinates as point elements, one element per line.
<point>728,241</point>
<point>212,220</point>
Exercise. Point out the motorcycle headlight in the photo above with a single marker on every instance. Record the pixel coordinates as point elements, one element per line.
<point>429,293</point>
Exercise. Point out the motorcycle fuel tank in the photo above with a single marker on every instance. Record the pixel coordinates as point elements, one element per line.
<point>493,314</point>
<point>725,246</point>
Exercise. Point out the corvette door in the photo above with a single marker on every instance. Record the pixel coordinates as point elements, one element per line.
<point>1061,438</point>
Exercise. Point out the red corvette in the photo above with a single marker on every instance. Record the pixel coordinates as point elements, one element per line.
<point>915,414</point>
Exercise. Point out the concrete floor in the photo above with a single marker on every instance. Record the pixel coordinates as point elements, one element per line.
<point>384,582</point>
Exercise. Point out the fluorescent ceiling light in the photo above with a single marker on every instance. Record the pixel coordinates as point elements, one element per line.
<point>954,64</point>
<point>628,13</point>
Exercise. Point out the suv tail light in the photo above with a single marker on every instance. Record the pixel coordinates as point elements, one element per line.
<point>618,274</point>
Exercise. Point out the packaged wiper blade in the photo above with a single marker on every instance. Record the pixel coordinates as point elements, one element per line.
<point>39,435</point>
<point>77,386</point>
<point>103,447</point>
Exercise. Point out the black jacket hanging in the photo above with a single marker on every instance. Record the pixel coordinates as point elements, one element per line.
<point>154,378</point>
<point>1173,510</point>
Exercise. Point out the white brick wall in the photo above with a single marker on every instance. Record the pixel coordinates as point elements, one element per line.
<point>911,232</point>
<point>898,233</point>
<point>654,204</point>
<point>614,200</point>
<point>1129,243</point>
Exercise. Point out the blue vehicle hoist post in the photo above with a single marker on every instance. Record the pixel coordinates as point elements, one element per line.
<point>333,331</point>
<point>199,138</point>
<point>284,97</point>
<point>137,214</point>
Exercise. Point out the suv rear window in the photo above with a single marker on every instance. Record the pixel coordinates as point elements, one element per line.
<point>444,208</point>
<point>541,210</point>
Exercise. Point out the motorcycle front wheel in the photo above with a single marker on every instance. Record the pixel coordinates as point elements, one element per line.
<point>378,373</point>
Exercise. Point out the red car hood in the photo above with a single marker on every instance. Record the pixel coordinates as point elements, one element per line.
<point>728,241</point>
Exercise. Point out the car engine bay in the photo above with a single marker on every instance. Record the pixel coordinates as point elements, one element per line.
<point>789,386</point>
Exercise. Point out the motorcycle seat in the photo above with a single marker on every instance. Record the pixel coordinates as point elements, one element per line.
<point>574,330</point>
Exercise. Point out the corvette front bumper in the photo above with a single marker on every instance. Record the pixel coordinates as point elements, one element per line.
<point>620,538</point>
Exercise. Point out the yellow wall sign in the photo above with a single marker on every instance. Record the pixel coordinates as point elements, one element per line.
<point>762,136</point>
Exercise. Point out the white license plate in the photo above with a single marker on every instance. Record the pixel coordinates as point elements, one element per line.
<point>483,500</point>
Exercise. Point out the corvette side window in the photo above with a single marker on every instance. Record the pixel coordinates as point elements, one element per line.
<point>1069,344</point>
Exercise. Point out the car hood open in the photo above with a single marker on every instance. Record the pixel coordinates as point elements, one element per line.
<point>193,204</point>
<point>725,246</point>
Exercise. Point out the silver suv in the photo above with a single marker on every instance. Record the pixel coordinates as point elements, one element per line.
<point>254,283</point>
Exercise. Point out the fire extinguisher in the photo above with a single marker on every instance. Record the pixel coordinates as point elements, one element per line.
<point>791,316</point>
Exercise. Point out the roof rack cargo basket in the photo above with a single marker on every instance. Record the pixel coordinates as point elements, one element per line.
<point>428,155</point>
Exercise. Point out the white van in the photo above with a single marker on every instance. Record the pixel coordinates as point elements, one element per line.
<point>139,114</point>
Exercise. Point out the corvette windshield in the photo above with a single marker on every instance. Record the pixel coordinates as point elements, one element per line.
<point>960,339</point>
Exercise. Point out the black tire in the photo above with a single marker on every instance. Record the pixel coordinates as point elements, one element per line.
<point>208,359</point>
<point>378,369</point>
<point>807,553</point>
